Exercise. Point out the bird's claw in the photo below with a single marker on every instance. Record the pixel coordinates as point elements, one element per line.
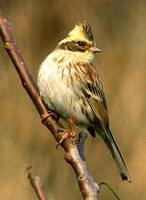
<point>71,135</point>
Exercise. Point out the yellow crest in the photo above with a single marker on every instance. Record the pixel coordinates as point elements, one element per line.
<point>82,31</point>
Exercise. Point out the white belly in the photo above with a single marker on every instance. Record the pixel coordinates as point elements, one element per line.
<point>60,95</point>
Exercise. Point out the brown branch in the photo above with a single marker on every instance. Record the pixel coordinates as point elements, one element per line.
<point>37,186</point>
<point>88,187</point>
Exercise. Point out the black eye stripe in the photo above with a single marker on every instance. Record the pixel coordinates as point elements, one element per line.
<point>81,43</point>
<point>74,46</point>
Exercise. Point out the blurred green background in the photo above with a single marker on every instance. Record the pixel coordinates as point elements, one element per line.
<point>119,27</point>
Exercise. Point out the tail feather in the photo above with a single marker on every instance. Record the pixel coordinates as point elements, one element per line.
<point>117,155</point>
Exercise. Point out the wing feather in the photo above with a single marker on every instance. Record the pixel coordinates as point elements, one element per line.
<point>95,96</point>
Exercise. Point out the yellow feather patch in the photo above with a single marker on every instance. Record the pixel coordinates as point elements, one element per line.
<point>78,33</point>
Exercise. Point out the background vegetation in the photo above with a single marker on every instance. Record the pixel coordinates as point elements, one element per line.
<point>120,31</point>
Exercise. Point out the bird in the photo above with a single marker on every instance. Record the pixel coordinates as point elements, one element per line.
<point>70,85</point>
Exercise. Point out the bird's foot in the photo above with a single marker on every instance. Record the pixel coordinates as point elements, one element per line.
<point>54,115</point>
<point>72,123</point>
<point>69,135</point>
<point>49,114</point>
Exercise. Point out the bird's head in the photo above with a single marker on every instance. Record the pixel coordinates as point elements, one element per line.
<point>80,39</point>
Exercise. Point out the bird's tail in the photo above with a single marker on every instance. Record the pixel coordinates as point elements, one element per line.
<point>115,151</point>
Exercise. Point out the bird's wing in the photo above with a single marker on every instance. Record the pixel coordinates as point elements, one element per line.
<point>93,90</point>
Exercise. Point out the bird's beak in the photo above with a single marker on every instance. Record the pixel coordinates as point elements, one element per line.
<point>94,49</point>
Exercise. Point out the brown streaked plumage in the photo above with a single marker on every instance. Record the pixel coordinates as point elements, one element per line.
<point>70,86</point>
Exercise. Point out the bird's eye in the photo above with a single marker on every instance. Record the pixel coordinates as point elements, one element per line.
<point>81,43</point>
